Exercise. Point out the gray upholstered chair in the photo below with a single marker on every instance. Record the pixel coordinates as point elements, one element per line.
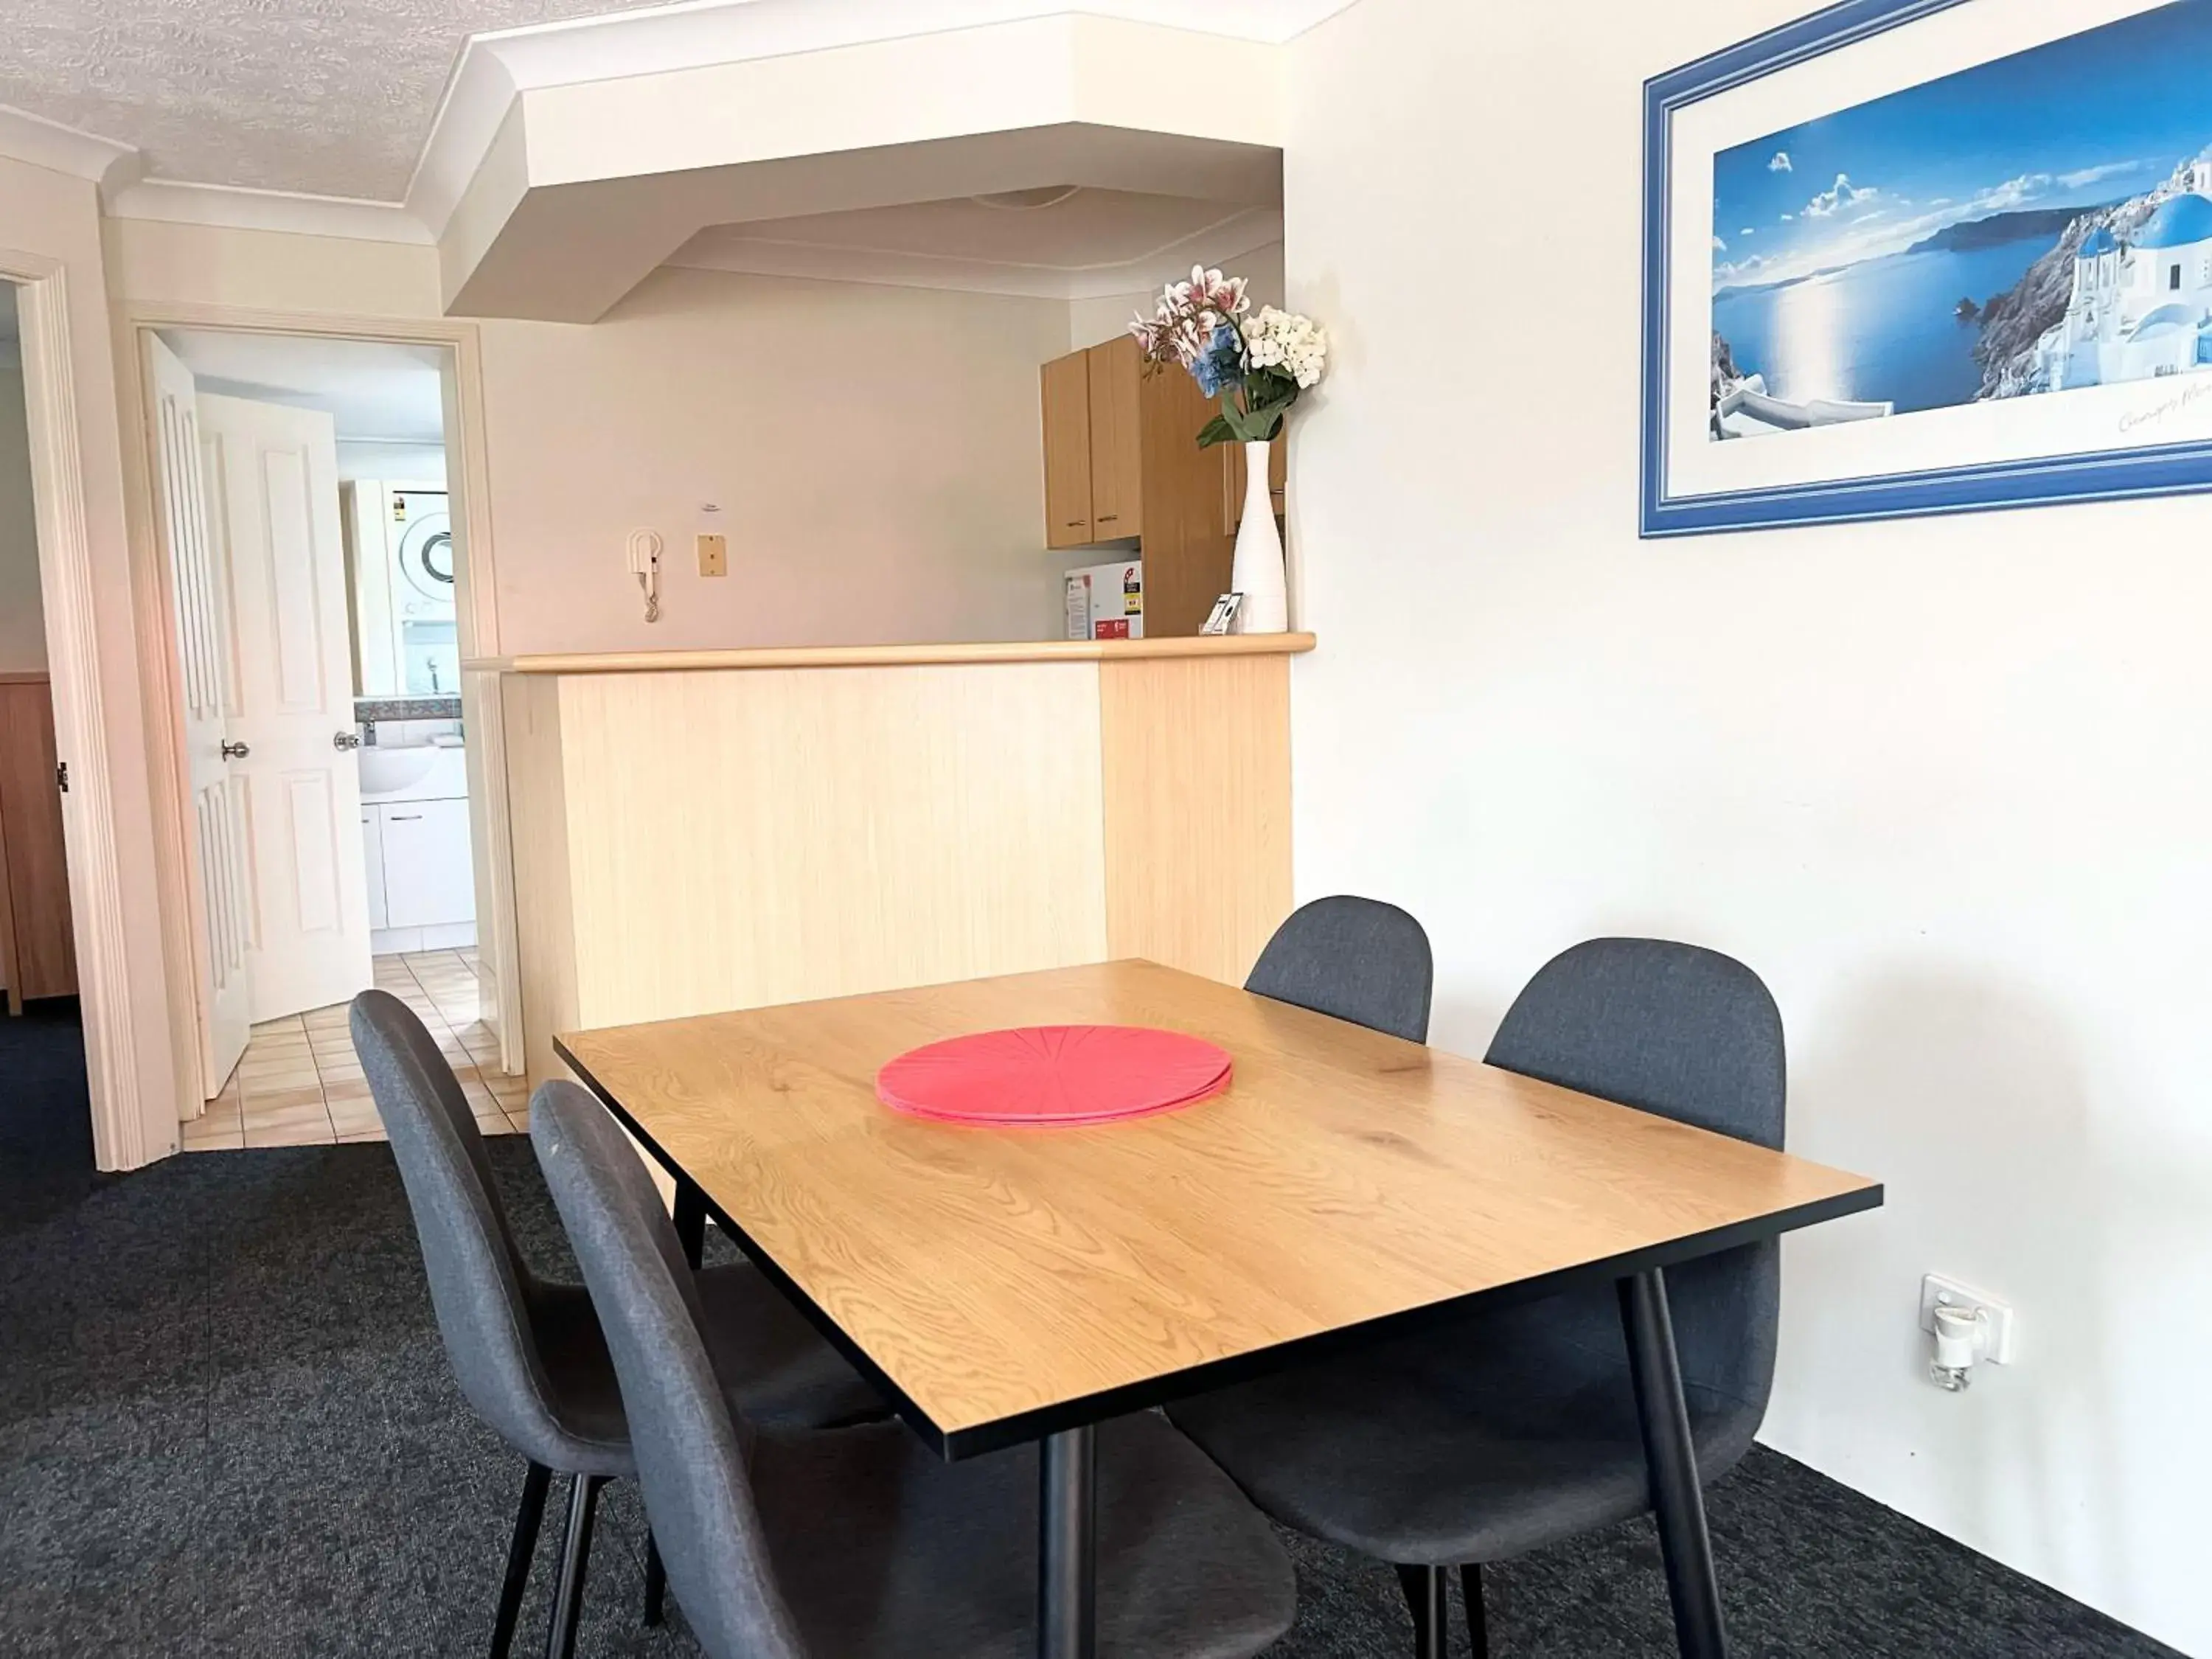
<point>857,1543</point>
<point>1513,1429</point>
<point>528,1351</point>
<point>1357,959</point>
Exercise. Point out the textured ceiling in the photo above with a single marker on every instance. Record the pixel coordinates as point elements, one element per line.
<point>331,97</point>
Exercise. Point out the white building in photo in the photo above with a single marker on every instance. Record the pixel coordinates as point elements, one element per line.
<point>2141,304</point>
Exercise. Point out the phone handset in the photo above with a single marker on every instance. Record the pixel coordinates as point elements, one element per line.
<point>642,552</point>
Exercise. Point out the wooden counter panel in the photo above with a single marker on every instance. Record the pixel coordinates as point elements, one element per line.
<point>748,839</point>
<point>1196,753</point>
<point>537,809</point>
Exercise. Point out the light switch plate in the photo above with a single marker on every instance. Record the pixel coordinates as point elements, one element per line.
<point>713,555</point>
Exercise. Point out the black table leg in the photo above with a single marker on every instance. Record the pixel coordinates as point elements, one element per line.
<point>1671,1457</point>
<point>690,1220</point>
<point>1068,1553</point>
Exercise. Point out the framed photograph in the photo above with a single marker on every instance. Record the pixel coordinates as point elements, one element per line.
<point>1223,614</point>
<point>1929,256</point>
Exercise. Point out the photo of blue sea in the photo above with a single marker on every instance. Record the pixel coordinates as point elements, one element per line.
<point>1884,329</point>
<point>2034,224</point>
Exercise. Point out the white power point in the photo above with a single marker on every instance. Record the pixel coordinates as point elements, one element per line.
<point>1938,1291</point>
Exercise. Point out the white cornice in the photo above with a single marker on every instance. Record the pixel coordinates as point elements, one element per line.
<point>118,168</point>
<point>760,256</point>
<point>494,68</point>
<point>177,202</point>
<point>32,138</point>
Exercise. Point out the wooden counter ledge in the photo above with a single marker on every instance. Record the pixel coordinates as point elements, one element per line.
<point>884,656</point>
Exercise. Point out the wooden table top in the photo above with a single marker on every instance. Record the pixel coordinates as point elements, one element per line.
<point>1005,1283</point>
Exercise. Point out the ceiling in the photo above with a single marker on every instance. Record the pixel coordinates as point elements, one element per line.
<point>375,391</point>
<point>323,97</point>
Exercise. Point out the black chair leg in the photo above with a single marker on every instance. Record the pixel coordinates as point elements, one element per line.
<point>518,1553</point>
<point>1477,1621</point>
<point>575,1550</point>
<point>1424,1589</point>
<point>656,1579</point>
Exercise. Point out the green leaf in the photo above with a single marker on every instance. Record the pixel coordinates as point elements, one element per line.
<point>1215,431</point>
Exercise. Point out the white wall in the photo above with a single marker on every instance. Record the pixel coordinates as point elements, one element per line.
<point>1093,320</point>
<point>423,463</point>
<point>876,454</point>
<point>1946,784</point>
<point>22,625</point>
<point>55,219</point>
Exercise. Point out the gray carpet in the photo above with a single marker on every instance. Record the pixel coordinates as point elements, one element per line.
<point>226,1429</point>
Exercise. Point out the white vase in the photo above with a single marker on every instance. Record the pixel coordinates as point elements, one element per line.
<point>1258,572</point>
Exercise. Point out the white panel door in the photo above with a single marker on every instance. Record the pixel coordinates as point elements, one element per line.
<point>275,472</point>
<point>215,825</point>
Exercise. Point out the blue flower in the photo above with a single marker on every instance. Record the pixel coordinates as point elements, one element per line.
<point>1222,365</point>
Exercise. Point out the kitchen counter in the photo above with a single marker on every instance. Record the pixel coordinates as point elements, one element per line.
<point>876,656</point>
<point>695,831</point>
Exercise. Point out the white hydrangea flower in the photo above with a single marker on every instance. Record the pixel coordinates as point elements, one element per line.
<point>1282,340</point>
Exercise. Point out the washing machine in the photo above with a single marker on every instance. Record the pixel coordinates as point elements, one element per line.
<point>421,538</point>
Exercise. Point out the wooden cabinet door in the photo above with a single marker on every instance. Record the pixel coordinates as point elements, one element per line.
<point>1067,451</point>
<point>37,866</point>
<point>1117,467</point>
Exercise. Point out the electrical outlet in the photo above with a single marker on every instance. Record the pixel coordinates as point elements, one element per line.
<point>1935,1291</point>
<point>713,555</point>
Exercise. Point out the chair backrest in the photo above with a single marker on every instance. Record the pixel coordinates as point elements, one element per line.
<point>1355,958</point>
<point>480,1285</point>
<point>691,1450</point>
<point>1694,1036</point>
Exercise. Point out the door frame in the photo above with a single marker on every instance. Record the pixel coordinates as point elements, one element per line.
<point>478,619</point>
<point>122,1139</point>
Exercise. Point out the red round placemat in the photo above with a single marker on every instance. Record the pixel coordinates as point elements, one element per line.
<point>1054,1074</point>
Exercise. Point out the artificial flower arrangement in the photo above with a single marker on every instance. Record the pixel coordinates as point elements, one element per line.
<point>1257,363</point>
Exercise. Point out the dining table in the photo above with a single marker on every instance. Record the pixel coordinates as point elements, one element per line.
<point>1006,1285</point>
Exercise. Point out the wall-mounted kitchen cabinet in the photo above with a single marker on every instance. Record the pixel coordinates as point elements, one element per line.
<point>1121,461</point>
<point>1067,451</point>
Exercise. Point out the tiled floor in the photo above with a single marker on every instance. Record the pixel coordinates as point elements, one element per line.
<point>299,1084</point>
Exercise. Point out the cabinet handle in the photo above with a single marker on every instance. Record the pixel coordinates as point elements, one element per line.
<point>404,817</point>
<point>1109,518</point>
<point>1075,524</point>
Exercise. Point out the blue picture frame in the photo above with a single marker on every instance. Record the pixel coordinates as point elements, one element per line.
<point>2161,470</point>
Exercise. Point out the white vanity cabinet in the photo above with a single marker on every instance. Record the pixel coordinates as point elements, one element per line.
<point>429,879</point>
<point>372,847</point>
<point>415,834</point>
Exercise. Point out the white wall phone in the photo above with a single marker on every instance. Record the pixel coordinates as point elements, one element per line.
<point>643,554</point>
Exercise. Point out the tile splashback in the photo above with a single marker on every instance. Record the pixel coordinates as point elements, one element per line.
<point>406,708</point>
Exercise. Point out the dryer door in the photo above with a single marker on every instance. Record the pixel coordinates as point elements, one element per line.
<point>426,567</point>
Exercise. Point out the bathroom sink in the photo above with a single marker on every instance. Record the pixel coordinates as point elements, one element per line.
<point>416,772</point>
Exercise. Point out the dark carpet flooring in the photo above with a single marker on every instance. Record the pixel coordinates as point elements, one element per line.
<point>226,1429</point>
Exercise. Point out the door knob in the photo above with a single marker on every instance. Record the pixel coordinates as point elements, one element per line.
<point>234,751</point>
<point>345,741</point>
